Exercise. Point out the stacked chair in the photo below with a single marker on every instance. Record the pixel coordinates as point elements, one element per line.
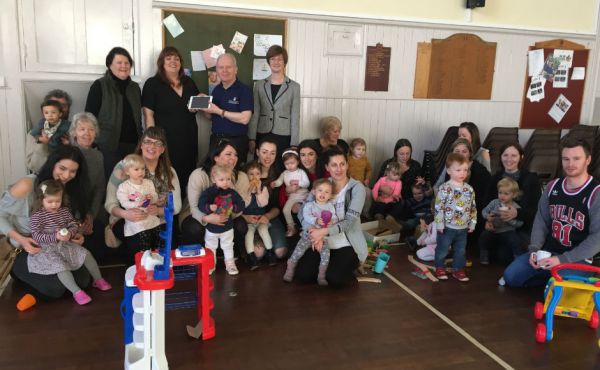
<point>433,160</point>
<point>495,139</point>
<point>542,154</point>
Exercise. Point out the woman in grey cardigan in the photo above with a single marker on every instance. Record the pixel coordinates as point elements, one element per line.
<point>276,113</point>
<point>345,238</point>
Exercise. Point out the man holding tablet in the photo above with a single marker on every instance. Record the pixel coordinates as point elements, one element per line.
<point>231,108</point>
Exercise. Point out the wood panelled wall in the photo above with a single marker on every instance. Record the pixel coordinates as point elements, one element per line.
<point>334,85</point>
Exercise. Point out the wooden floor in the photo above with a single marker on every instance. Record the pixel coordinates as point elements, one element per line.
<point>264,323</point>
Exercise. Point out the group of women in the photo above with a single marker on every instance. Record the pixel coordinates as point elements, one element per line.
<point>112,128</point>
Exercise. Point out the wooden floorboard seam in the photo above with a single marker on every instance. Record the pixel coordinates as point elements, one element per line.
<point>448,321</point>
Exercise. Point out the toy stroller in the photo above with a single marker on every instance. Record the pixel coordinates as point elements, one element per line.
<point>569,296</point>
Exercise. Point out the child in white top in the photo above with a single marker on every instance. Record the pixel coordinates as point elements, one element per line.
<point>138,192</point>
<point>296,185</point>
<point>318,213</point>
<point>55,230</point>
<point>428,239</point>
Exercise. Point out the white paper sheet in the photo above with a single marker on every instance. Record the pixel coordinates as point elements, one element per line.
<point>536,62</point>
<point>578,73</point>
<point>561,78</point>
<point>217,50</point>
<point>565,57</point>
<point>173,25</point>
<point>260,69</point>
<point>238,42</point>
<point>535,92</point>
<point>559,108</point>
<point>262,43</point>
<point>197,61</point>
<point>208,60</point>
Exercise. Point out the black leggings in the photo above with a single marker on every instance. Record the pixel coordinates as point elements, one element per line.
<point>340,272</point>
<point>45,287</point>
<point>192,232</point>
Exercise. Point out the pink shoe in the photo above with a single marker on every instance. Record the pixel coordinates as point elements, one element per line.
<point>81,298</point>
<point>102,285</point>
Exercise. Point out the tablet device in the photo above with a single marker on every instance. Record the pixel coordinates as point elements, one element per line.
<point>199,102</point>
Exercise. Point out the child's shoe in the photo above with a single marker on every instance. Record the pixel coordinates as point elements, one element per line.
<point>102,285</point>
<point>441,273</point>
<point>321,280</point>
<point>252,261</point>
<point>291,230</point>
<point>81,297</point>
<point>231,267</point>
<point>289,272</point>
<point>460,275</point>
<point>271,258</point>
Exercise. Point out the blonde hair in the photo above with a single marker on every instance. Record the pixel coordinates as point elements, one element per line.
<point>131,160</point>
<point>220,169</point>
<point>328,123</point>
<point>510,184</point>
<point>358,141</point>
<point>393,168</point>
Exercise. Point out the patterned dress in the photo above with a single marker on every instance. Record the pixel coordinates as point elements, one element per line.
<point>55,256</point>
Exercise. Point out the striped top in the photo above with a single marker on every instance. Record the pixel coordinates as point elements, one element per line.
<point>45,225</point>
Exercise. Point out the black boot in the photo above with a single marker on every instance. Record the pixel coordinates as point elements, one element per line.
<point>252,261</point>
<point>271,258</point>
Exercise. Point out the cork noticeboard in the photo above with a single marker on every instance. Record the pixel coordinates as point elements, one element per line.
<point>458,67</point>
<point>535,114</point>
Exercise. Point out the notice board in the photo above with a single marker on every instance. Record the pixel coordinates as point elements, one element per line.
<point>535,114</point>
<point>203,30</point>
<point>458,67</point>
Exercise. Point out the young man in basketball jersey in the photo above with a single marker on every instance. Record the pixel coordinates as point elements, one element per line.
<point>567,223</point>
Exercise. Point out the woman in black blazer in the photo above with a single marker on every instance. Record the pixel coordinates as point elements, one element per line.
<point>276,113</point>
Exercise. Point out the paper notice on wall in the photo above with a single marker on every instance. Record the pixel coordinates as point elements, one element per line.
<point>550,67</point>
<point>216,51</point>
<point>208,60</point>
<point>536,62</point>
<point>559,108</point>
<point>238,42</point>
<point>578,73</point>
<point>565,57</point>
<point>172,24</point>
<point>561,78</point>
<point>535,93</point>
<point>260,69</point>
<point>262,43</point>
<point>197,61</point>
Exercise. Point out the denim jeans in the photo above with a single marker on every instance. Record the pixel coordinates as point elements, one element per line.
<point>458,239</point>
<point>520,274</point>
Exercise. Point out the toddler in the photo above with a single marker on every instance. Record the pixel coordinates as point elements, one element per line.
<point>255,209</point>
<point>359,169</point>
<point>428,239</point>
<point>138,192</point>
<point>387,191</point>
<point>455,215</point>
<point>502,233</point>
<point>318,213</point>
<point>51,130</point>
<point>221,199</point>
<point>418,206</point>
<point>296,185</point>
<point>55,230</point>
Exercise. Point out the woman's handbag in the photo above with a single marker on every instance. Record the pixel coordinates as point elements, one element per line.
<point>8,254</point>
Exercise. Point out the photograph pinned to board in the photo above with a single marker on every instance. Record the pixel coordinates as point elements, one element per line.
<point>559,108</point>
<point>172,24</point>
<point>262,43</point>
<point>213,81</point>
<point>565,57</point>
<point>238,42</point>
<point>217,50</point>
<point>197,61</point>
<point>550,67</point>
<point>578,73</point>
<point>260,69</point>
<point>535,93</point>
<point>561,78</point>
<point>536,62</point>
